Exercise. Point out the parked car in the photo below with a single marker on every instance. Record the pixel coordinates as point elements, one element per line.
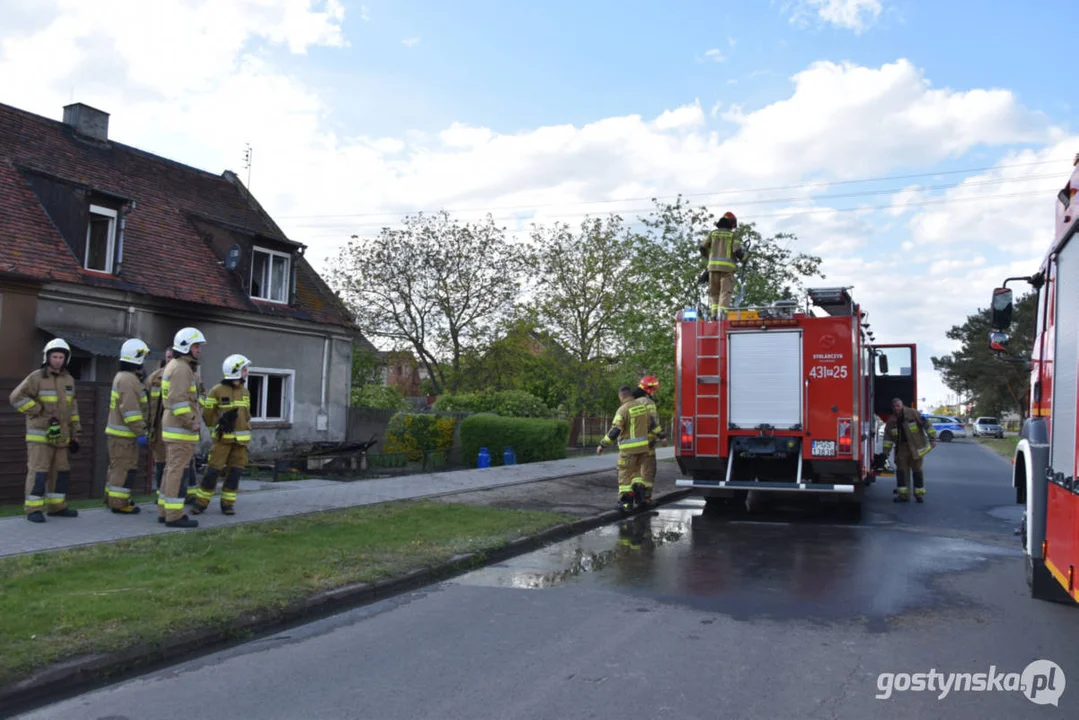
<point>988,427</point>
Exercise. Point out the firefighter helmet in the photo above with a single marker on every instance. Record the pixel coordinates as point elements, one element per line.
<point>134,351</point>
<point>233,366</point>
<point>56,345</point>
<point>730,217</point>
<point>186,338</point>
<point>649,383</point>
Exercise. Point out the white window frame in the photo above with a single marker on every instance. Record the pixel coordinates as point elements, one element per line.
<point>267,284</point>
<point>289,392</point>
<point>110,250</point>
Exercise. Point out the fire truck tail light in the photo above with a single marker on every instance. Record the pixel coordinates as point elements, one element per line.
<point>845,435</point>
<point>687,434</point>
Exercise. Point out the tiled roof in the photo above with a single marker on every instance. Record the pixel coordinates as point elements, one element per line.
<point>164,255</point>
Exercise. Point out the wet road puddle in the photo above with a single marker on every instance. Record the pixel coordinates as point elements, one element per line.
<point>745,568</point>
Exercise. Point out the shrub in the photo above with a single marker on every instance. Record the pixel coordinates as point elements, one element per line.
<point>384,397</point>
<point>507,403</point>
<point>532,439</point>
<point>418,433</point>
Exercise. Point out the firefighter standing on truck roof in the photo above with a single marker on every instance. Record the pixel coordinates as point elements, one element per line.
<point>47,398</point>
<point>126,429</point>
<point>637,421</point>
<point>228,415</point>
<point>913,437</point>
<point>646,389</point>
<point>722,248</point>
<point>180,425</point>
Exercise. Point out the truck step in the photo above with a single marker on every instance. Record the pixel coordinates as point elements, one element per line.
<point>771,486</point>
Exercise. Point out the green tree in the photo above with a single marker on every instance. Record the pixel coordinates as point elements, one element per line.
<point>974,371</point>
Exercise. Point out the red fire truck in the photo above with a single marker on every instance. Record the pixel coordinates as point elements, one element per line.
<point>783,399</point>
<point>1045,471</point>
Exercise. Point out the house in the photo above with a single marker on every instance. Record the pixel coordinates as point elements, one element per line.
<point>401,370</point>
<point>101,241</point>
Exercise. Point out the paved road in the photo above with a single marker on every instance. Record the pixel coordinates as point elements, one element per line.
<point>679,614</point>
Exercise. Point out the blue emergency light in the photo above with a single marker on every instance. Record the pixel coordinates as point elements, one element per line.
<point>689,314</point>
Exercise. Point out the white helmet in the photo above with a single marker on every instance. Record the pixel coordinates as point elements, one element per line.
<point>56,344</point>
<point>186,338</point>
<point>233,366</point>
<point>134,351</point>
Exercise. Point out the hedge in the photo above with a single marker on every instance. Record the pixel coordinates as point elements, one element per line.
<point>508,403</point>
<point>418,433</point>
<point>532,439</point>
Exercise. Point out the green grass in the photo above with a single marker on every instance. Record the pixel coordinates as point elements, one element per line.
<point>13,510</point>
<point>1004,446</point>
<point>107,598</point>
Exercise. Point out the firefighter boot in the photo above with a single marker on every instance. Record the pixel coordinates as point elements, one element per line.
<point>192,486</point>
<point>228,491</point>
<point>63,479</point>
<point>902,493</point>
<point>159,472</point>
<point>919,486</point>
<point>205,491</point>
<point>625,502</point>
<point>130,508</point>
<point>36,499</point>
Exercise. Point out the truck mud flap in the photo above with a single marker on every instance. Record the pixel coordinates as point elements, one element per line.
<point>769,486</point>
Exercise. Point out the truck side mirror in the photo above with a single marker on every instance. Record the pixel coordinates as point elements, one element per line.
<point>883,362</point>
<point>1002,308</point>
<point>998,342</point>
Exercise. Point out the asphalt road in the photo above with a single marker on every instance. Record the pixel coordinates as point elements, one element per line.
<point>678,614</point>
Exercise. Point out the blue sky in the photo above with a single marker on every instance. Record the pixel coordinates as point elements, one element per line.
<point>359,112</point>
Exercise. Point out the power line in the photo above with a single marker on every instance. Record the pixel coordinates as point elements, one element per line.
<point>798,186</point>
<point>791,213</point>
<point>770,201</point>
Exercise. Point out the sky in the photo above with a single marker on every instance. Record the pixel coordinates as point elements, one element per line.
<point>915,146</point>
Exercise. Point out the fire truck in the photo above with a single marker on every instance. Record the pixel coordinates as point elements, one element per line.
<point>1045,468</point>
<point>782,399</point>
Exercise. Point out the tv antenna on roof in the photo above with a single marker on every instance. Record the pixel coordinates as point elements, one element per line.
<point>248,154</point>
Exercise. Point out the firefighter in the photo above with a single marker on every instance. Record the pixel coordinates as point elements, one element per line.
<point>722,248</point>
<point>228,415</point>
<point>913,437</point>
<point>647,389</point>
<point>153,391</point>
<point>180,425</point>
<point>47,398</point>
<point>126,429</point>
<point>636,419</point>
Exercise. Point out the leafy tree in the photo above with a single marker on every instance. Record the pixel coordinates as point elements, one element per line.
<point>974,371</point>
<point>385,397</point>
<point>434,285</point>
<point>366,366</point>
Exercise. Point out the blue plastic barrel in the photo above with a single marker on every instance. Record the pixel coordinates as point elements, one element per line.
<point>484,458</point>
<point>508,456</point>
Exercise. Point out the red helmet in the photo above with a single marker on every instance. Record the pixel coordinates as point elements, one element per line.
<point>730,216</point>
<point>649,383</point>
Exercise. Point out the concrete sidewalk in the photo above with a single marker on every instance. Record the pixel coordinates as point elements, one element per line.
<point>18,537</point>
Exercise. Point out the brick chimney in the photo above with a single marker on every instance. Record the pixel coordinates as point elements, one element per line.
<point>87,121</point>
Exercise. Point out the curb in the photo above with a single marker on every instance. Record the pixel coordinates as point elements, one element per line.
<point>72,677</point>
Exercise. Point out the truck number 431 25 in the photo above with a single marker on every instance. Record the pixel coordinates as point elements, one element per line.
<point>828,371</point>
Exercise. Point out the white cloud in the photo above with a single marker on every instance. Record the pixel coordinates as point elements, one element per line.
<point>715,54</point>
<point>856,15</point>
<point>364,15</point>
<point>409,42</point>
<point>901,201</point>
<point>200,96</point>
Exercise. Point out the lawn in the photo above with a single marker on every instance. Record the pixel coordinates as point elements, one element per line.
<point>106,598</point>
<point>1005,446</point>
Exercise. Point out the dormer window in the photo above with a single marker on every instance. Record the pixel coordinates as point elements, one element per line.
<point>271,275</point>
<point>101,240</point>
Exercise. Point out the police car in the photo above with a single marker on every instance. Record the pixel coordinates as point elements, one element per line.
<point>947,428</point>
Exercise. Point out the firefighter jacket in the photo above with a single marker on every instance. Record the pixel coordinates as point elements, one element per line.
<point>225,425</point>
<point>127,406</point>
<point>153,397</point>
<point>180,401</point>
<point>720,247</point>
<point>45,396</point>
<point>910,430</point>
<point>636,422</point>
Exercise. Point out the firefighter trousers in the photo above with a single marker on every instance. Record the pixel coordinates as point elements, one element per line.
<point>157,446</point>
<point>228,459</point>
<point>178,467</point>
<point>123,467</point>
<point>648,472</point>
<point>630,473</point>
<point>47,478</point>
<point>908,463</point>
<point>720,289</point>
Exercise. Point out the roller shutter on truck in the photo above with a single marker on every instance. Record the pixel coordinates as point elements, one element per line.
<point>765,379</point>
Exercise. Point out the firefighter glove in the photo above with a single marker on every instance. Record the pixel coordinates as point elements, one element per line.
<point>54,432</point>
<point>73,447</point>
<point>703,277</point>
<point>740,254</point>
<point>142,440</point>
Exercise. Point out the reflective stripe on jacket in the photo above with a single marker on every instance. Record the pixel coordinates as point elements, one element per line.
<point>127,406</point>
<point>223,397</point>
<point>918,433</point>
<point>180,399</point>
<point>720,247</point>
<point>633,424</point>
<point>44,395</point>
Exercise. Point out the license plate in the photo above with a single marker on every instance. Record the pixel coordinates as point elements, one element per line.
<point>824,448</point>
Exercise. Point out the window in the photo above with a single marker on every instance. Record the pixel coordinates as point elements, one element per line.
<point>271,394</point>
<point>100,239</point>
<point>270,275</point>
